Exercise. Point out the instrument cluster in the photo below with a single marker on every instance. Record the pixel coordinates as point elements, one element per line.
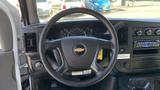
<point>76,32</point>
<point>67,30</point>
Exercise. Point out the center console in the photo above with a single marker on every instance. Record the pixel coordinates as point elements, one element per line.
<point>149,82</point>
<point>139,59</point>
<point>143,49</point>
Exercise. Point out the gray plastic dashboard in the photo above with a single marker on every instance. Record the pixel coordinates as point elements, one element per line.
<point>130,59</point>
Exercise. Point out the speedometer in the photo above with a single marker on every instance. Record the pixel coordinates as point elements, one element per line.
<point>76,32</point>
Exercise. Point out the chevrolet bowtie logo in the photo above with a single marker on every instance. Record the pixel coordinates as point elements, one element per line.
<point>79,50</point>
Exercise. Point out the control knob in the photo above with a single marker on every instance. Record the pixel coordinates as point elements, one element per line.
<point>139,33</point>
<point>157,32</point>
<point>149,32</point>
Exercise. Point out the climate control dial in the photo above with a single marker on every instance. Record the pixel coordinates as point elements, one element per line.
<point>139,32</point>
<point>148,32</point>
<point>157,32</point>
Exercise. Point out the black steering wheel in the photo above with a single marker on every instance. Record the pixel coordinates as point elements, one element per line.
<point>78,54</point>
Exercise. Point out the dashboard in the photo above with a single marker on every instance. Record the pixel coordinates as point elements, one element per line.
<point>139,41</point>
<point>84,29</point>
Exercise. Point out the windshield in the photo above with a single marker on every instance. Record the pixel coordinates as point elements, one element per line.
<point>108,8</point>
<point>41,1</point>
<point>72,0</point>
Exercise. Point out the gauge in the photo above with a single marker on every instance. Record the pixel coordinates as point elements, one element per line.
<point>89,31</point>
<point>77,32</point>
<point>64,33</point>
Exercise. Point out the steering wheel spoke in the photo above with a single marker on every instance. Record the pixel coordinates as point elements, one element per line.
<point>107,44</point>
<point>62,69</point>
<point>96,68</point>
<point>63,65</point>
<point>52,44</point>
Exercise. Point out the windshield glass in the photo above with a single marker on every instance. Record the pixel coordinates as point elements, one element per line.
<point>41,0</point>
<point>109,8</point>
<point>72,0</point>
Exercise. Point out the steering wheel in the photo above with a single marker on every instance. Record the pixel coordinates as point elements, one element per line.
<point>78,53</point>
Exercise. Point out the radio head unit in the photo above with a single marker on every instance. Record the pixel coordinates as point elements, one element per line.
<point>147,44</point>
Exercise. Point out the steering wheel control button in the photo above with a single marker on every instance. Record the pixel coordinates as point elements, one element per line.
<point>80,50</point>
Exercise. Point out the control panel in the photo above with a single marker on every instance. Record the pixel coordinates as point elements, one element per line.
<point>147,31</point>
<point>143,49</point>
<point>146,37</point>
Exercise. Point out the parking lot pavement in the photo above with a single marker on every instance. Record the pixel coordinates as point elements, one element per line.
<point>132,12</point>
<point>135,12</point>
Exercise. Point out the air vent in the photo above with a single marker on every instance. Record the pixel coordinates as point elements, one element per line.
<point>30,42</point>
<point>123,36</point>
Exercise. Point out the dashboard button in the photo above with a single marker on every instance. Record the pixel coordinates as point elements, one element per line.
<point>38,65</point>
<point>121,50</point>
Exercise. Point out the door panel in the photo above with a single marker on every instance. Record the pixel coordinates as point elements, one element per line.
<point>6,41</point>
<point>9,71</point>
<point>7,76</point>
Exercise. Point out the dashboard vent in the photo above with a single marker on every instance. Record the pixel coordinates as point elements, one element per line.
<point>123,36</point>
<point>30,42</point>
